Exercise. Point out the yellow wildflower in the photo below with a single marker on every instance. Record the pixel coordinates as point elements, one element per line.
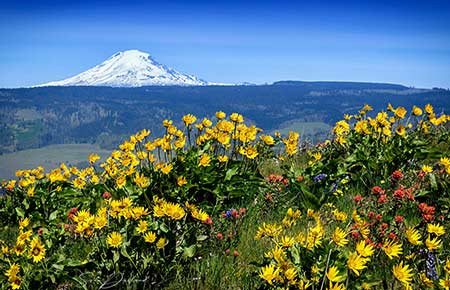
<point>339,237</point>
<point>365,250</point>
<point>161,243</point>
<point>181,180</point>
<point>291,274</point>
<point>200,215</point>
<point>269,274</point>
<point>433,244</point>
<point>429,109</point>
<point>13,276</point>
<point>436,229</point>
<point>220,115</point>
<point>114,239</point>
<point>427,281</point>
<point>427,169</point>
<point>166,168</point>
<point>445,283</point>
<point>445,161</point>
<point>340,215</point>
<point>287,241</point>
<point>37,250</point>
<point>357,263</point>
<point>333,274</point>
<point>400,112</point>
<point>93,157</point>
<point>402,273</point>
<point>205,160</point>
<point>100,221</point>
<point>138,212</point>
<point>174,211</point>
<point>23,237</point>
<point>189,119</point>
<point>337,286</point>
<point>150,237</point>
<point>23,223</point>
<point>141,181</point>
<point>142,227</point>
<point>121,181</point>
<point>293,214</point>
<point>413,236</point>
<point>279,254</point>
<point>79,183</point>
<point>222,158</point>
<point>416,111</point>
<point>235,117</point>
<point>392,248</point>
<point>267,139</point>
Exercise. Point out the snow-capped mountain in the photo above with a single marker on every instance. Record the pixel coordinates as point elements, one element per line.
<point>131,68</point>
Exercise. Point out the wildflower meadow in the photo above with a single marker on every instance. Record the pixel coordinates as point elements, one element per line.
<point>217,203</point>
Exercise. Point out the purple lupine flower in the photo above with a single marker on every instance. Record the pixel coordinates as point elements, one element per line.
<point>319,177</point>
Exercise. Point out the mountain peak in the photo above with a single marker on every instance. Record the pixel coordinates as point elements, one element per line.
<point>130,68</point>
<point>131,53</point>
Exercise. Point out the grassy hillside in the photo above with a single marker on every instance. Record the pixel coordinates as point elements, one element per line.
<point>49,157</point>
<point>309,131</point>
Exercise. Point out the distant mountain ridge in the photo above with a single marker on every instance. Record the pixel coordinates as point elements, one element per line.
<point>131,68</point>
<point>341,85</point>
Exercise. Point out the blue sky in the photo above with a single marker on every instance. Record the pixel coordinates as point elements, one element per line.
<point>406,42</point>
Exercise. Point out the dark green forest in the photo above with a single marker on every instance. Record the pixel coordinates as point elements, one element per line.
<point>36,117</point>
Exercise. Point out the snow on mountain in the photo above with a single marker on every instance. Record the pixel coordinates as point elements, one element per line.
<point>131,68</point>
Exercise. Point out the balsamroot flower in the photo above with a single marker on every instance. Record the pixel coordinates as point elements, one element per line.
<point>37,250</point>
<point>357,263</point>
<point>269,273</point>
<point>402,273</point>
<point>392,248</point>
<point>114,239</point>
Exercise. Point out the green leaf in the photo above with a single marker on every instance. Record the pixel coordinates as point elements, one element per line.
<point>116,257</point>
<point>163,227</point>
<point>201,238</point>
<point>20,212</point>
<point>421,192</point>
<point>26,204</point>
<point>123,251</point>
<point>230,173</point>
<point>58,267</point>
<point>53,215</point>
<point>80,281</point>
<point>74,263</point>
<point>433,181</point>
<point>295,255</point>
<point>189,252</point>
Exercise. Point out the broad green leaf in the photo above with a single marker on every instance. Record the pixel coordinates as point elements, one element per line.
<point>163,227</point>
<point>201,238</point>
<point>20,212</point>
<point>295,255</point>
<point>123,251</point>
<point>26,204</point>
<point>230,173</point>
<point>116,256</point>
<point>189,252</point>
<point>53,215</point>
<point>433,181</point>
<point>58,267</point>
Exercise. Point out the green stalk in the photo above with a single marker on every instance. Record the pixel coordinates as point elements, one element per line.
<point>326,269</point>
